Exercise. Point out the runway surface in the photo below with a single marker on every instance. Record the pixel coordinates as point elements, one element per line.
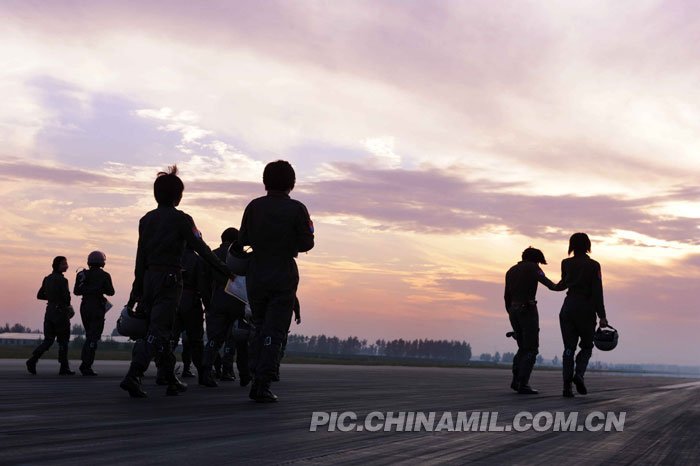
<point>47,419</point>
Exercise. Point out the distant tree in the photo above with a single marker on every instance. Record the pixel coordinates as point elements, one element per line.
<point>77,329</point>
<point>19,328</point>
<point>540,359</point>
<point>497,357</point>
<point>5,329</point>
<point>507,357</point>
<point>555,361</point>
<point>485,357</point>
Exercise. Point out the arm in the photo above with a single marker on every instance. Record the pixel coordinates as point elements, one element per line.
<point>542,278</point>
<point>305,230</point>
<point>194,239</point>
<point>41,294</point>
<point>139,268</point>
<point>561,286</point>
<point>243,238</point>
<point>204,283</point>
<point>65,291</point>
<point>108,287</point>
<point>598,301</point>
<point>297,311</point>
<point>506,295</point>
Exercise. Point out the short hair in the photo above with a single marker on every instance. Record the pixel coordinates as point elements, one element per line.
<point>57,262</point>
<point>168,187</point>
<point>579,243</point>
<point>279,176</point>
<point>534,255</point>
<point>229,235</point>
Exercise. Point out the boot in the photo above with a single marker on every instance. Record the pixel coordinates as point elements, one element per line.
<point>245,380</point>
<point>568,392</point>
<point>175,386</point>
<point>31,364</point>
<point>132,384</point>
<point>87,371</point>
<point>227,376</point>
<point>264,394</point>
<point>186,372</point>
<point>65,370</point>
<point>525,389</point>
<point>206,379</point>
<point>580,386</point>
<point>514,384</point>
<point>253,394</point>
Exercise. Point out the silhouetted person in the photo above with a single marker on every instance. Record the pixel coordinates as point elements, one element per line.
<point>223,311</point>
<point>520,293</point>
<point>93,284</point>
<point>278,228</point>
<point>54,289</point>
<point>163,234</point>
<point>582,277</point>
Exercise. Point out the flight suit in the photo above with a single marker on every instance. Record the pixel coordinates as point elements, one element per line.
<point>54,289</point>
<point>520,293</point>
<point>189,319</point>
<point>581,275</point>
<point>163,234</point>
<point>278,228</point>
<point>94,284</point>
<point>223,311</point>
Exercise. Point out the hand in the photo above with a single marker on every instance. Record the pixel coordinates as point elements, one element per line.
<point>603,322</point>
<point>298,320</point>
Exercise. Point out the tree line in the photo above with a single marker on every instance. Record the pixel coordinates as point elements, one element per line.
<point>448,350</point>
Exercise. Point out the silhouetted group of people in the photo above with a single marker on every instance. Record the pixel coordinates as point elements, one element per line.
<point>581,277</point>
<point>93,284</point>
<point>177,276</point>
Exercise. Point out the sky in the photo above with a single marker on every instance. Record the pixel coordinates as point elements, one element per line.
<point>433,141</point>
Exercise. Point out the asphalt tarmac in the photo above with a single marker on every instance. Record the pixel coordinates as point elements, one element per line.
<point>47,419</point>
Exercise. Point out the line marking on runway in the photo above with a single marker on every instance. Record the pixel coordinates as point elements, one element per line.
<point>681,385</point>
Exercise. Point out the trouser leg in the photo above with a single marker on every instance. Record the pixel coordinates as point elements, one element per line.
<point>570,339</point>
<point>586,326</point>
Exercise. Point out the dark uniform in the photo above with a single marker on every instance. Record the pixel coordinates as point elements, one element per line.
<point>297,317</point>
<point>223,311</point>
<point>278,228</point>
<point>236,347</point>
<point>92,284</point>
<point>54,289</point>
<point>163,233</point>
<point>196,291</point>
<point>520,292</point>
<point>581,275</point>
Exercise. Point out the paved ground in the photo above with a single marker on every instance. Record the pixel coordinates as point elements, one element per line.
<point>49,419</point>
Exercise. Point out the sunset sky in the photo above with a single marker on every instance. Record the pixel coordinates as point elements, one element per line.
<point>432,141</point>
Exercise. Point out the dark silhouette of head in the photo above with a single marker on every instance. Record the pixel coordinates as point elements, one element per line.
<point>279,176</point>
<point>229,235</point>
<point>96,259</point>
<point>579,243</point>
<point>534,255</point>
<point>58,264</point>
<point>168,187</point>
